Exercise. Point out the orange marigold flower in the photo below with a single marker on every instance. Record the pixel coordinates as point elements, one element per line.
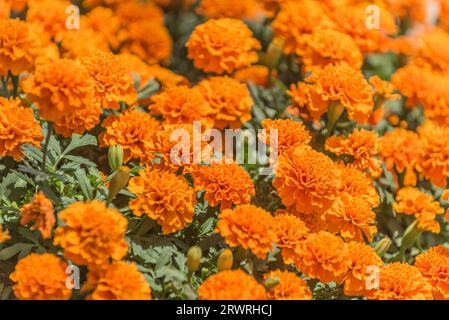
<point>182,105</point>
<point>290,287</point>
<point>17,127</point>
<point>248,226</point>
<point>183,4</point>
<point>92,233</point>
<point>121,281</point>
<point>401,150</point>
<point>51,14</point>
<point>222,46</point>
<point>4,234</point>
<point>434,164</point>
<point>229,100</point>
<point>432,51</point>
<point>290,231</point>
<point>133,130</point>
<point>227,8</point>
<point>362,259</point>
<point>41,213</point>
<point>40,277</point>
<point>313,222</point>
<point>79,43</point>
<point>325,46</point>
<point>113,84</point>
<point>231,285</point>
<point>335,83</point>
<point>297,18</point>
<point>358,185</point>
<point>400,281</point>
<point>323,256</point>
<point>154,49</point>
<point>225,184</point>
<point>291,134</point>
<point>18,47</point>
<point>132,11</point>
<point>60,88</point>
<point>307,179</point>
<point>434,266</point>
<point>18,5</point>
<point>95,20</point>
<point>362,145</point>
<point>164,197</point>
<point>383,89</point>
<point>352,218</point>
<point>256,74</point>
<point>412,201</point>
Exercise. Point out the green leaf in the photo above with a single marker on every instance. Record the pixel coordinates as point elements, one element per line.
<point>84,182</point>
<point>80,160</point>
<point>13,250</point>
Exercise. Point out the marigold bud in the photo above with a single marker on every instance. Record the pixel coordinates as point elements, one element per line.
<point>274,53</point>
<point>115,157</point>
<point>271,282</point>
<point>194,258</point>
<point>118,182</point>
<point>225,260</point>
<point>382,246</point>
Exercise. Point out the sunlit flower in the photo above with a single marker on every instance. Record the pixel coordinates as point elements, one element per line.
<point>134,10</point>
<point>290,287</point>
<point>227,8</point>
<point>95,19</point>
<point>41,213</point>
<point>256,74</point>
<point>248,226</point>
<point>164,197</point>
<point>231,285</point>
<point>290,231</point>
<point>51,14</point>
<point>290,134</point>
<point>82,42</point>
<point>40,277</point>
<point>222,46</point>
<point>313,222</point>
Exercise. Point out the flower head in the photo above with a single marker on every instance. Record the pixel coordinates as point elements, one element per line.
<point>40,277</point>
<point>290,231</point>
<point>227,8</point>
<point>95,20</point>
<point>256,74</point>
<point>307,179</point>
<point>92,233</point>
<point>17,127</point>
<point>225,184</point>
<point>400,281</point>
<point>231,285</point>
<point>290,133</point>
<point>82,42</point>
<point>248,226</point>
<point>50,14</point>
<point>290,287</point>
<point>4,234</point>
<point>222,46</point>
<point>164,197</point>
<point>41,213</point>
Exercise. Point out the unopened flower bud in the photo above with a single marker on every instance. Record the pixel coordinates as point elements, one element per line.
<point>194,258</point>
<point>225,260</point>
<point>382,246</point>
<point>271,282</point>
<point>274,53</point>
<point>118,182</point>
<point>115,157</point>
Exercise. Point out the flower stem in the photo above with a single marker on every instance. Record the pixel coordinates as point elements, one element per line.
<point>47,140</point>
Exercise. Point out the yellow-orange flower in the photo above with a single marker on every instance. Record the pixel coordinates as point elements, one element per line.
<point>400,281</point>
<point>313,222</point>
<point>41,213</point>
<point>290,134</point>
<point>18,47</point>
<point>95,20</point>
<point>412,201</point>
<point>352,218</point>
<point>290,287</point>
<point>132,129</point>
<point>335,84</point>
<point>40,277</point>
<point>182,105</point>
<point>323,256</point>
<point>307,179</point>
<point>229,100</point>
<point>231,285</point>
<point>4,234</point>
<point>325,46</point>
<point>154,49</point>
<point>434,164</point>
<point>121,281</point>
<point>82,42</point>
<point>134,10</point>
<point>92,233</point>
<point>256,74</point>
<point>227,8</point>
<point>225,184</point>
<point>363,260</point>
<point>164,197</point>
<point>248,226</point>
<point>51,14</point>
<point>222,46</point>
<point>290,231</point>
<point>60,88</point>
<point>401,150</point>
<point>434,266</point>
<point>17,127</point>
<point>297,18</point>
<point>362,145</point>
<point>113,84</point>
<point>432,51</point>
